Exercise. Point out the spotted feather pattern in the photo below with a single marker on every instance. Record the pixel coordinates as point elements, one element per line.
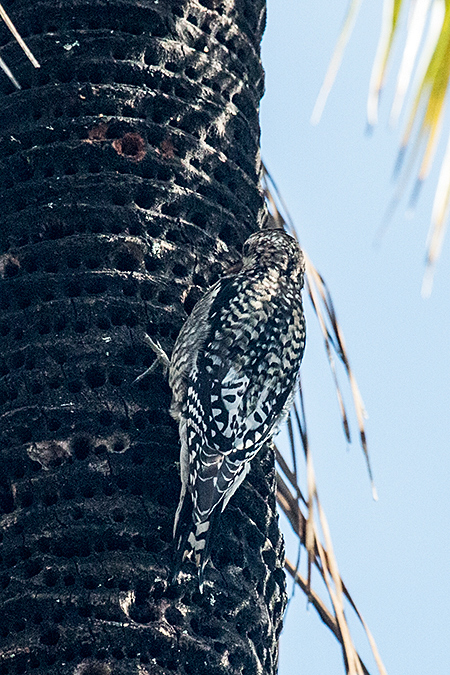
<point>233,373</point>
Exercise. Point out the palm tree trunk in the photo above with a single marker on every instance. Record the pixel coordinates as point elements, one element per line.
<point>129,179</point>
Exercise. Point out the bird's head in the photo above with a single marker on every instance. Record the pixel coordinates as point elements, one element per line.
<point>276,249</point>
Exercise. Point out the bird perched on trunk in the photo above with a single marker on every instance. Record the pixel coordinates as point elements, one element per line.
<point>233,373</point>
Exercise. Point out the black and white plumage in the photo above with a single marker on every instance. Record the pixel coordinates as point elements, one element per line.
<point>233,372</point>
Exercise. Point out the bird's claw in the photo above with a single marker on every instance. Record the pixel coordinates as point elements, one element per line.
<point>161,358</point>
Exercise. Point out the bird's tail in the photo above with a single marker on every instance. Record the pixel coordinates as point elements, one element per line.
<point>194,543</point>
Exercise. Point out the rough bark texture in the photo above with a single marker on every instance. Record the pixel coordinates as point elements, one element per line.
<point>129,176</point>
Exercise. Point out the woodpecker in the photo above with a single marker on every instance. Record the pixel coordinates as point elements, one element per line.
<point>233,373</point>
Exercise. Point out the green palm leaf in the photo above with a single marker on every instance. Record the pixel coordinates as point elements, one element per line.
<point>427,58</point>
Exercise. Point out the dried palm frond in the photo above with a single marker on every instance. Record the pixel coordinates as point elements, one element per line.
<point>331,331</point>
<point>426,53</point>
<point>17,36</point>
<point>293,504</point>
<point>299,509</point>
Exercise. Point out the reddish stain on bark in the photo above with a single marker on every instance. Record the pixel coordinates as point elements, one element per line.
<point>131,145</point>
<point>98,133</point>
<point>166,149</point>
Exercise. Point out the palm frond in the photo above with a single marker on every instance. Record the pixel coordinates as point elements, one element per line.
<point>19,39</point>
<point>391,11</point>
<point>300,509</point>
<point>426,61</point>
<point>331,331</point>
<point>293,504</point>
<point>336,60</point>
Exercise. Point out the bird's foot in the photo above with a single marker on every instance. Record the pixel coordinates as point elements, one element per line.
<point>161,359</point>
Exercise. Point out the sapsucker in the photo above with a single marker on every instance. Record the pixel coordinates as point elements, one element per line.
<point>233,373</point>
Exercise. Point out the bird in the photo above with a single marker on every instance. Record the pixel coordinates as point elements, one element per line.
<point>233,374</point>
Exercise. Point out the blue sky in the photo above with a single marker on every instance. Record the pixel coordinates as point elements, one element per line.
<point>337,182</point>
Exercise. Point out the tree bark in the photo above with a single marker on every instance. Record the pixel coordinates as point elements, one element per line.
<point>129,180</point>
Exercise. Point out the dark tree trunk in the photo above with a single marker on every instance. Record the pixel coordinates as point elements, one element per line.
<point>129,180</point>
